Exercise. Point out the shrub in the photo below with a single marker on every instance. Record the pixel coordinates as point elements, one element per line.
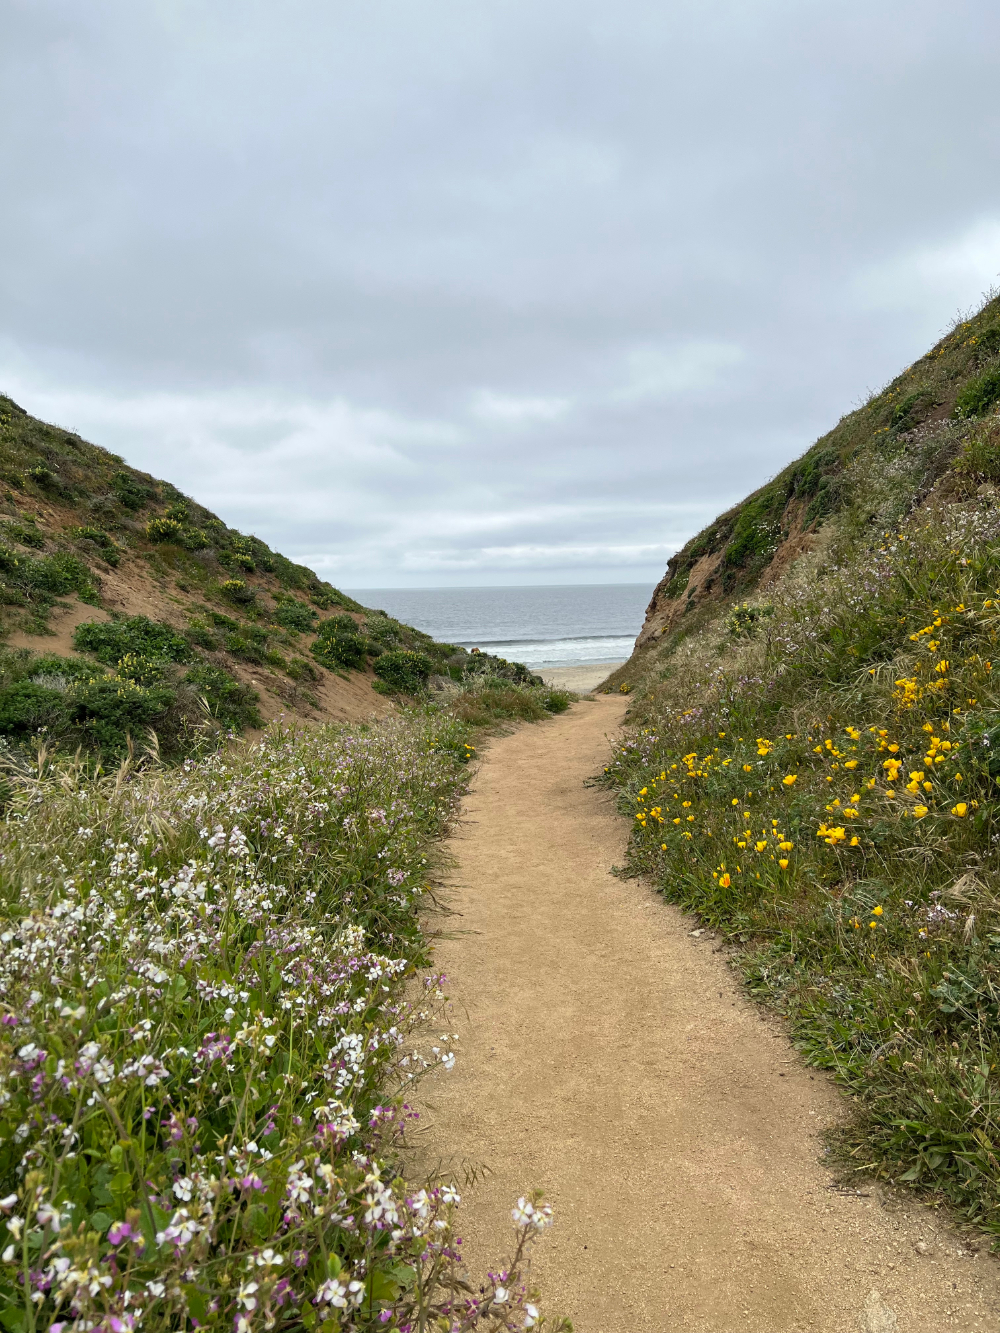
<point>485,664</point>
<point>979,395</point>
<point>102,541</point>
<point>25,533</point>
<point>404,671</point>
<point>199,633</point>
<point>193,539</point>
<point>912,409</point>
<point>383,630</point>
<point>345,651</point>
<point>141,670</point>
<point>130,493</point>
<point>26,708</point>
<point>164,530</point>
<point>110,641</point>
<point>338,645</point>
<point>234,704</point>
<point>300,669</point>
<point>238,591</point>
<point>483,705</point>
<point>59,574</point>
<point>292,614</point>
<point>248,644</point>
<point>109,710</point>
<point>744,619</point>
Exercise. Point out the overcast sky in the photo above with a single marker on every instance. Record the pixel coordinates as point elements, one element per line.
<point>430,292</point>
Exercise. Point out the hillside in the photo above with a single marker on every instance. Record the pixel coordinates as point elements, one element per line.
<point>876,464</point>
<point>810,765</point>
<point>125,606</point>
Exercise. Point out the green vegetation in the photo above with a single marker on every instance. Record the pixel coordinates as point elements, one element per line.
<point>110,641</point>
<point>487,702</point>
<point>403,671</point>
<point>279,1017</point>
<point>812,771</point>
<point>339,645</point>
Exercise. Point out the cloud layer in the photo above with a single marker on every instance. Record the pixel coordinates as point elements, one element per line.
<point>510,293</point>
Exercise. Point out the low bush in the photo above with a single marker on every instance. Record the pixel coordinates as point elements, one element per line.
<point>292,614</point>
<point>164,530</point>
<point>104,543</point>
<point>248,644</point>
<point>980,395</point>
<point>403,671</point>
<point>478,663</point>
<point>499,701</point>
<point>338,645</point>
<point>129,492</point>
<point>238,591</point>
<point>111,710</point>
<point>229,701</point>
<point>110,641</point>
<point>27,533</point>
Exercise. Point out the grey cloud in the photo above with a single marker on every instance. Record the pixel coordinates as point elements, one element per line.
<point>432,293</point>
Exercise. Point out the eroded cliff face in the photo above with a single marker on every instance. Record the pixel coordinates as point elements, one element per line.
<point>696,574</point>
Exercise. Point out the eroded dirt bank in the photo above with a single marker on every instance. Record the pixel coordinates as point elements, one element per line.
<point>608,1057</point>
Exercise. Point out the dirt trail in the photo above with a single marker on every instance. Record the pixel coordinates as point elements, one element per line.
<point>608,1057</point>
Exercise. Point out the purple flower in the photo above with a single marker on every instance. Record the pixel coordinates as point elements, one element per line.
<point>120,1231</point>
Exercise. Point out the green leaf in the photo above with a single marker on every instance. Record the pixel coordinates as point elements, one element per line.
<point>197,1303</point>
<point>100,1221</point>
<point>381,1287</point>
<point>308,1315</point>
<point>121,1187</point>
<point>14,1320</point>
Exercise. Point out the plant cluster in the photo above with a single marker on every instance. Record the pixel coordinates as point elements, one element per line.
<point>207,1035</point>
<point>828,796</point>
<point>36,583</point>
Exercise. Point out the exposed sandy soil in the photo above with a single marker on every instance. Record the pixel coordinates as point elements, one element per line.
<point>609,1057</point>
<point>579,679</point>
<point>63,620</point>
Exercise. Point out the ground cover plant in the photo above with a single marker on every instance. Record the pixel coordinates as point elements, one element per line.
<point>210,1015</point>
<point>815,772</point>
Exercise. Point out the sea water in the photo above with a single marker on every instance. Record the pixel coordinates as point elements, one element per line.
<point>569,625</point>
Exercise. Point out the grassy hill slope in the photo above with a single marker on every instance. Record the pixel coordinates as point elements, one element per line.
<point>125,605</point>
<point>813,763</point>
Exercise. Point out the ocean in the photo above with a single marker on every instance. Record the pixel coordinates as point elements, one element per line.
<point>571,625</point>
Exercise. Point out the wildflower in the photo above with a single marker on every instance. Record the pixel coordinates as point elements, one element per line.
<point>876,911</point>
<point>725,881</point>
<point>246,1296</point>
<point>919,811</point>
<point>789,779</point>
<point>783,863</point>
<point>961,810</point>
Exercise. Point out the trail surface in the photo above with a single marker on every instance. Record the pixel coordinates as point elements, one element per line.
<point>608,1057</point>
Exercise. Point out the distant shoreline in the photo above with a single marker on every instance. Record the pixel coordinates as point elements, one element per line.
<point>580,679</point>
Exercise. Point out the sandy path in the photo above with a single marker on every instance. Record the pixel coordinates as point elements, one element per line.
<point>608,1058</point>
